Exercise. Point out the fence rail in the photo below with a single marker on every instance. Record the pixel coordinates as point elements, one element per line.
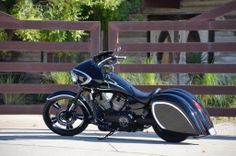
<point>202,22</point>
<point>92,46</point>
<point>8,22</point>
<point>38,109</point>
<point>49,88</point>
<point>121,68</point>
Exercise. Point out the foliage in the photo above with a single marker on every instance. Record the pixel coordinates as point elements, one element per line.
<point>60,77</point>
<point>113,10</point>
<point>70,10</point>
<point>140,78</point>
<point>150,77</point>
<point>9,98</point>
<point>210,79</point>
<point>3,35</point>
<point>52,10</point>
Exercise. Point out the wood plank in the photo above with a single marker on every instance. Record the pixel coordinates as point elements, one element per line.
<point>48,25</point>
<point>34,88</point>
<point>176,68</point>
<point>219,11</point>
<point>35,67</point>
<point>21,109</point>
<point>38,109</point>
<point>226,112</point>
<point>123,68</point>
<point>171,25</point>
<point>50,88</point>
<point>45,46</point>
<point>200,4</point>
<point>177,47</point>
<point>209,90</point>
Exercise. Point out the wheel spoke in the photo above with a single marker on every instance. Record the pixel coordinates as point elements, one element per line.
<point>54,120</point>
<point>69,127</point>
<point>57,105</point>
<point>80,116</point>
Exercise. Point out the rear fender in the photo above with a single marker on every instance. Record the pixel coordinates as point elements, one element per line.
<point>173,113</point>
<point>67,93</point>
<point>195,103</point>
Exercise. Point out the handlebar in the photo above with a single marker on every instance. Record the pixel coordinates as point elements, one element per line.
<point>107,58</point>
<point>120,57</point>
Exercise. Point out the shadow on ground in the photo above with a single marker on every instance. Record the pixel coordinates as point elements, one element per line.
<point>92,136</point>
<point>41,134</point>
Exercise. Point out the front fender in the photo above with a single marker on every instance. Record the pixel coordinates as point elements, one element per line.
<point>59,94</point>
<point>71,94</point>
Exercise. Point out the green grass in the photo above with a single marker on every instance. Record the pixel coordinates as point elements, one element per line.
<point>217,120</point>
<point>210,79</point>
<point>139,78</point>
<point>60,77</point>
<point>10,98</point>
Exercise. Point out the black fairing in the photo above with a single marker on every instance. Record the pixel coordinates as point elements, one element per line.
<point>90,68</point>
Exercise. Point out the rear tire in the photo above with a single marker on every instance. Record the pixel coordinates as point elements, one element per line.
<point>170,136</point>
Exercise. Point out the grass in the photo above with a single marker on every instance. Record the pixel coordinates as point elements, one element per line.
<point>139,78</point>
<point>217,120</point>
<point>210,79</point>
<point>10,98</point>
<point>59,77</point>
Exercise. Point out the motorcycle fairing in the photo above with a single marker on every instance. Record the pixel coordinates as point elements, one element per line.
<point>173,113</point>
<point>90,68</point>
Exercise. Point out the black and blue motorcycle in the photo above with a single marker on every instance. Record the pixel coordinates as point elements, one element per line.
<point>113,104</point>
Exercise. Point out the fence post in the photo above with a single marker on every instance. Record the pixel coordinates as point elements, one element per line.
<point>112,37</point>
<point>95,39</point>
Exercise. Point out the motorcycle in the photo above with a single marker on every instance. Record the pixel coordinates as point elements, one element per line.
<point>113,104</point>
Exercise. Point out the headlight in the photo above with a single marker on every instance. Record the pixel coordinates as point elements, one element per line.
<point>74,77</point>
<point>80,77</point>
<point>108,68</point>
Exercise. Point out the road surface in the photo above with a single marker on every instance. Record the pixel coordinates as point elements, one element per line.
<point>27,135</point>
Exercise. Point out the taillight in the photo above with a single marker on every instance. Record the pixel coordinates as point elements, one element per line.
<point>197,105</point>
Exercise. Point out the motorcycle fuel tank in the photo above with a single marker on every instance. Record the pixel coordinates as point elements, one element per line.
<point>120,84</point>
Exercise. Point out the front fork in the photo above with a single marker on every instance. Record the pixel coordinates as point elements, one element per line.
<point>93,106</point>
<point>72,106</point>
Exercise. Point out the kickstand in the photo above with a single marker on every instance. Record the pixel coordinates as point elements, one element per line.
<point>106,136</point>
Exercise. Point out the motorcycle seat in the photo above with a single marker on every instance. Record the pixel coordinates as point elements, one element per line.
<point>143,97</point>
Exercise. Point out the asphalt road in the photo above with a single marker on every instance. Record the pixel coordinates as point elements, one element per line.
<point>26,135</point>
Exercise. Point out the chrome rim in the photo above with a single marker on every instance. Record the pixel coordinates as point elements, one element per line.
<point>61,119</point>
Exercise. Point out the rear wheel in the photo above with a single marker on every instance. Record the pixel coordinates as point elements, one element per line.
<point>60,121</point>
<point>170,136</point>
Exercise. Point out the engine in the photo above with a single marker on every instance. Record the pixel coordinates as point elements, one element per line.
<point>115,110</point>
<point>111,101</point>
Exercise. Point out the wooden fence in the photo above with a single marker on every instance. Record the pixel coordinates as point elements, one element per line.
<point>203,22</point>
<point>10,23</point>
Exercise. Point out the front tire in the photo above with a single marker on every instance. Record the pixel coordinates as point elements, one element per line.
<point>56,119</point>
<point>170,136</point>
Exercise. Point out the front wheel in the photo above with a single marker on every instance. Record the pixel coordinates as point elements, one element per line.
<point>60,121</point>
<point>170,136</point>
